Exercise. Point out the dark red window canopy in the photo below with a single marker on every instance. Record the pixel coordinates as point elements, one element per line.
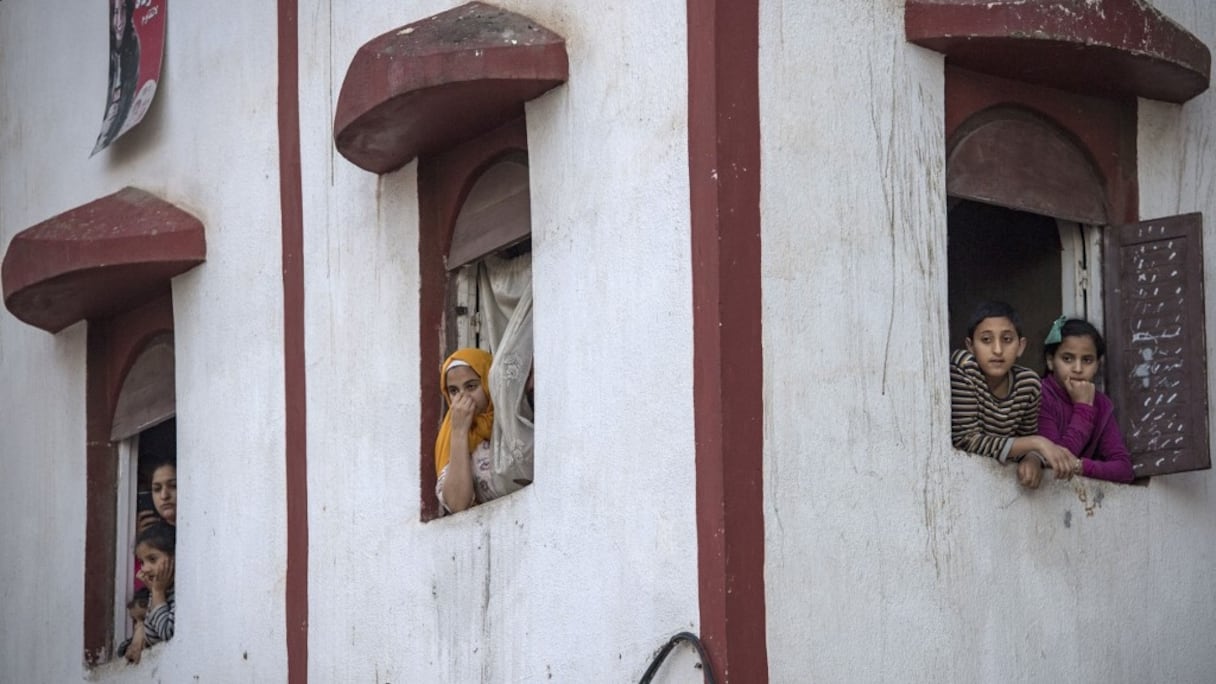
<point>1100,47</point>
<point>433,83</point>
<point>98,259</point>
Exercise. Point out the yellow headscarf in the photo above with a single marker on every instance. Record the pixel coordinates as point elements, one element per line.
<point>483,424</point>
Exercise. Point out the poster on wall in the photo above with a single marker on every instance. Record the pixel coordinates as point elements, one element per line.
<point>137,42</point>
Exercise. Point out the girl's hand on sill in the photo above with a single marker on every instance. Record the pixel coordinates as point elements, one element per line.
<point>1060,460</point>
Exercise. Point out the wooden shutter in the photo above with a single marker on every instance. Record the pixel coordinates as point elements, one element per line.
<point>1156,356</point>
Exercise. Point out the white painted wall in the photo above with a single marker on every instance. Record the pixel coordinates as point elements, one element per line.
<point>890,556</point>
<point>1177,157</point>
<point>582,576</point>
<point>208,144</point>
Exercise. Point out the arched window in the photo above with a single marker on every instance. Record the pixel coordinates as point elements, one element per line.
<point>110,262</point>
<point>447,91</point>
<point>1044,214</point>
<point>144,433</point>
<point>476,257</point>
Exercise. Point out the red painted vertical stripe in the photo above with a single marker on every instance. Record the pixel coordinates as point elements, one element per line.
<point>101,479</point>
<point>292,210</point>
<point>728,360</point>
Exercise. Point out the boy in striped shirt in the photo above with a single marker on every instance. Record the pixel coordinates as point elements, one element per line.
<point>994,403</point>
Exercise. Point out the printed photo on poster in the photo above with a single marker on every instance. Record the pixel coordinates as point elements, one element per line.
<point>137,41</point>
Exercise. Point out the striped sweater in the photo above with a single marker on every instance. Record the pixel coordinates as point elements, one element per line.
<point>982,423</point>
<point>158,623</point>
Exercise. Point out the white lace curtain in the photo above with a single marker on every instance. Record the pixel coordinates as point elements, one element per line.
<point>506,317</point>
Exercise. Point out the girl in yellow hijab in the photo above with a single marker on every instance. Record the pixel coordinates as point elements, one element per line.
<point>463,459</point>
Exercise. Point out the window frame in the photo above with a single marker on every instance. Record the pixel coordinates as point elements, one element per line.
<point>1082,270</point>
<point>113,346</point>
<point>125,490</point>
<point>444,181</point>
<point>1106,131</point>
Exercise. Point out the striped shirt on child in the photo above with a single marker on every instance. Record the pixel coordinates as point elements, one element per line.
<point>982,423</point>
<point>158,623</point>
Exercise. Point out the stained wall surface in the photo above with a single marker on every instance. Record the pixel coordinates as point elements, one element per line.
<point>208,145</point>
<point>581,576</point>
<point>890,556</point>
<point>584,574</point>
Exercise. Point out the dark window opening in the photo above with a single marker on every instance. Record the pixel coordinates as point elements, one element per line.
<point>144,453</point>
<point>1001,254</point>
<point>1140,284</point>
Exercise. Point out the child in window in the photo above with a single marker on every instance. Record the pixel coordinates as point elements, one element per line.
<point>159,507</point>
<point>1073,413</point>
<point>155,549</point>
<point>463,459</point>
<point>994,403</point>
<point>137,609</point>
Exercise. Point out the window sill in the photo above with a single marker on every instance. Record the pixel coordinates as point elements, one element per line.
<point>119,670</point>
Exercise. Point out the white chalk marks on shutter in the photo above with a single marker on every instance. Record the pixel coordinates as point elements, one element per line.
<point>1155,333</point>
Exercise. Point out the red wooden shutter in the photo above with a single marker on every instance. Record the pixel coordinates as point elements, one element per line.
<point>1157,362</point>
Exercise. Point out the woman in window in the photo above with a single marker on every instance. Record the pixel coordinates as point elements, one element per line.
<point>463,459</point>
<point>164,490</point>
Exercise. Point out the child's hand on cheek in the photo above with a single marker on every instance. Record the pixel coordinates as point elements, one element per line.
<point>162,578</point>
<point>158,577</point>
<point>1080,391</point>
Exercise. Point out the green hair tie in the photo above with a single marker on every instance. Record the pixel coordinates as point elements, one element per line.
<point>1053,335</point>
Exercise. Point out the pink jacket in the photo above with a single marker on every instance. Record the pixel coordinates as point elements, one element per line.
<point>1089,432</point>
